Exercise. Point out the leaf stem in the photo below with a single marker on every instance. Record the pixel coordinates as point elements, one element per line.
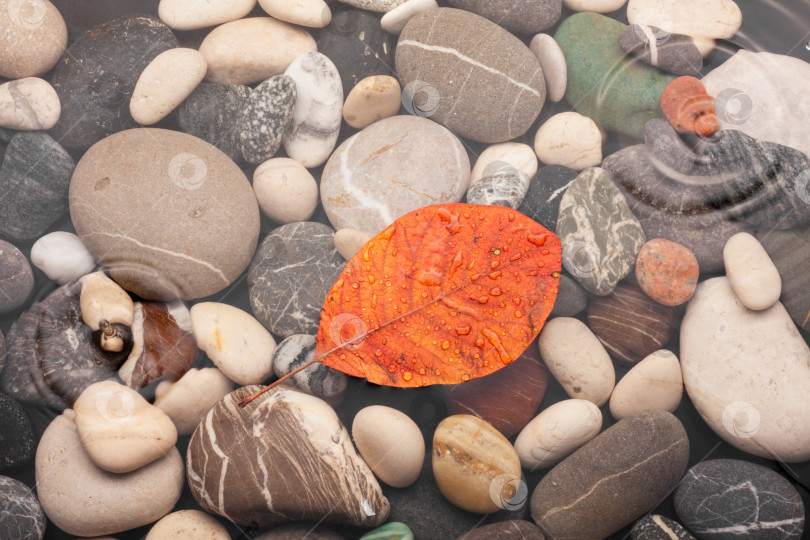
<point>250,398</point>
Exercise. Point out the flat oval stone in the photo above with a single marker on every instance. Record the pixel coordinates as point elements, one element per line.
<point>84,500</point>
<point>724,498</point>
<point>285,190</point>
<point>542,200</point>
<point>266,116</point>
<point>290,275</point>
<point>673,53</point>
<point>751,272</point>
<point>247,51</point>
<point>517,16</point>
<point>28,104</point>
<point>310,13</point>
<point>188,523</point>
<point>569,139</point>
<point>745,371</point>
<point>395,20</point>
<point>439,47</point>
<point>16,278</point>
<point>97,76</point>
<point>17,445</point>
<point>667,272</point>
<point>499,157</point>
<point>188,400</point>
<point>35,35</point>
<point>571,298</point>
<point>653,383</point>
<point>215,217</point>
<point>614,479</point>
<point>369,194</point>
<point>21,516</point>
<point>209,113</point>
<point>317,380</point>
<point>712,18</point>
<point>505,530</point>
<point>655,527</point>
<point>168,79</point>
<point>372,99</point>
<point>191,14</point>
<point>552,60</point>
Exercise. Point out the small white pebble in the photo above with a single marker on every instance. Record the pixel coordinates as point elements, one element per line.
<point>349,241</point>
<point>751,272</point>
<point>62,257</point>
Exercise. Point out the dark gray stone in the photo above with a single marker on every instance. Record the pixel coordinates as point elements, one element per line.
<point>318,380</point>
<point>95,78</point>
<point>790,252</point>
<point>290,275</point>
<point>542,200</point>
<point>267,113</point>
<point>34,183</point>
<point>655,527</point>
<point>571,298</point>
<point>209,113</point>
<point>358,46</point>
<point>504,188</point>
<point>16,438</point>
<point>726,499</point>
<point>21,516</point>
<point>675,53</point>
<point>516,529</point>
<point>16,277</point>
<point>668,148</point>
<point>518,16</point>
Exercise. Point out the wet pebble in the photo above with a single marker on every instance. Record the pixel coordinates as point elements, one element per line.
<point>62,257</point>
<point>521,17</point>
<point>673,53</point>
<point>309,13</point>
<point>689,108</point>
<point>505,530</point>
<point>390,531</point>
<point>503,157</point>
<point>209,113</point>
<point>318,379</point>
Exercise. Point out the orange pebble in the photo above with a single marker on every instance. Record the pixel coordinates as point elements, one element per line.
<point>689,108</point>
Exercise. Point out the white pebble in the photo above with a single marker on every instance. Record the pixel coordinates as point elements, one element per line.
<point>497,157</point>
<point>653,383</point>
<point>712,18</point>
<point>286,191</point>
<point>569,139</point>
<point>62,257</point>
<point>168,79</point>
<point>596,6</point>
<point>751,272</point>
<point>395,20</point>
<point>552,61</point>
<point>29,104</point>
<point>310,13</point>
<point>349,241</point>
<point>188,400</point>
<point>194,14</point>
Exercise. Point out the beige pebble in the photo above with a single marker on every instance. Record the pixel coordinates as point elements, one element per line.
<point>34,36</point>
<point>187,525</point>
<point>704,44</point>
<point>569,139</point>
<point>751,272</point>
<point>596,6</point>
<point>286,191</point>
<point>194,14</point>
<point>29,104</point>
<point>713,18</point>
<point>188,400</point>
<point>395,20</point>
<point>120,430</point>
<point>504,155</point>
<point>253,49</point>
<point>372,99</point>
<point>556,432</point>
<point>475,467</point>
<point>390,443</point>
<point>311,13</point>
<point>102,299</point>
<point>577,359</point>
<point>653,383</point>
<point>349,241</point>
<point>165,83</point>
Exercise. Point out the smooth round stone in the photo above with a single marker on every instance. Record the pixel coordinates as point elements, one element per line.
<point>16,277</point>
<point>310,13</point>
<point>721,499</point>
<point>509,155</point>
<point>98,74</point>
<point>569,139</point>
<point>17,442</point>
<point>517,16</point>
<point>372,99</point>
<point>185,524</point>
<point>439,47</point>
<point>395,20</point>
<point>653,383</point>
<point>374,5</point>
<point>213,212</point>
<point>318,380</point>
<point>266,116</point>
<point>506,187</point>
<point>542,201</point>
<point>751,272</point>
<point>235,341</point>
<point>552,60</point>
<point>82,499</point>
<point>35,35</point>
<point>667,272</point>
<point>655,527</point>
<point>596,6</point>
<point>688,107</point>
<point>349,241</point>
<point>391,443</point>
<point>209,113</point>
<point>188,400</point>
<point>614,479</point>
<point>475,467</point>
<point>251,50</point>
<point>192,14</point>
<point>21,516</point>
<point>62,257</point>
<point>505,530</point>
<point>746,373</point>
<point>369,194</point>
<point>673,53</point>
<point>285,190</point>
<point>571,298</point>
<point>711,18</point>
<point>390,531</point>
<point>28,104</point>
<point>315,126</point>
<point>556,432</point>
<point>290,275</point>
<point>168,79</point>
<point>577,359</point>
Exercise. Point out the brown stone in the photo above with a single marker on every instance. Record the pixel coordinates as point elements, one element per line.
<point>34,36</point>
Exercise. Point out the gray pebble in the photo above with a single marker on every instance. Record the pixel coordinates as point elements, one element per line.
<point>209,113</point>
<point>319,380</point>
<point>504,188</point>
<point>571,298</point>
<point>673,53</point>
<point>16,438</point>
<point>267,113</point>
<point>21,516</point>
<point>16,277</point>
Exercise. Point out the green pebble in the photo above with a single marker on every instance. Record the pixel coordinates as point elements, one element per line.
<point>389,531</point>
<point>605,83</point>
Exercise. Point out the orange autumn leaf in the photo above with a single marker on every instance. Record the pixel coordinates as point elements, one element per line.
<point>445,294</point>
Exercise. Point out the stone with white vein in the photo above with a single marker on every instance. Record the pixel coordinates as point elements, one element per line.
<point>395,20</point>
<point>62,257</point>
<point>165,83</point>
<point>194,14</point>
<point>28,104</point>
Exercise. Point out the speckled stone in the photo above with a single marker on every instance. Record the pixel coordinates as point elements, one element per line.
<point>97,75</point>
<point>291,272</point>
<point>504,188</point>
<point>439,47</point>
<point>265,117</point>
<point>21,516</point>
<point>600,236</point>
<point>517,16</point>
<point>16,278</point>
<point>542,200</point>
<point>16,437</point>
<point>667,272</point>
<point>35,36</point>
<point>34,183</point>
<point>673,53</point>
<point>727,499</point>
<point>655,527</point>
<point>571,298</point>
<point>516,529</point>
<point>209,113</point>
<point>318,379</point>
